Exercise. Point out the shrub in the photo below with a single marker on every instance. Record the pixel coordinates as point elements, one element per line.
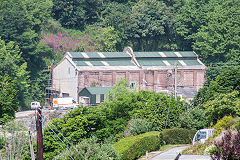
<point>228,147</point>
<point>193,117</point>
<point>223,124</point>
<point>200,148</point>
<point>237,124</point>
<point>91,150</point>
<point>136,146</point>
<point>177,136</point>
<point>137,126</point>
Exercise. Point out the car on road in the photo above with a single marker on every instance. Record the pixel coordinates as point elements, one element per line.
<point>35,105</point>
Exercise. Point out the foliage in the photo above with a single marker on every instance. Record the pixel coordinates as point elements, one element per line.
<point>177,136</point>
<point>15,140</point>
<point>222,105</point>
<point>136,146</point>
<point>216,39</point>
<point>228,147</point>
<point>210,27</point>
<point>91,149</point>
<point>223,124</point>
<point>227,81</point>
<point>237,124</point>
<point>8,99</point>
<point>194,117</point>
<point>137,126</point>
<point>152,21</point>
<point>21,22</point>
<point>200,148</point>
<point>119,89</point>
<point>110,118</point>
<point>15,68</point>
<point>76,14</point>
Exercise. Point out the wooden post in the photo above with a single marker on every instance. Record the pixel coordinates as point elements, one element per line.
<point>31,146</point>
<point>39,135</point>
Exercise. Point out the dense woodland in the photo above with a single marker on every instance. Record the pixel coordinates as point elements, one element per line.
<point>35,32</point>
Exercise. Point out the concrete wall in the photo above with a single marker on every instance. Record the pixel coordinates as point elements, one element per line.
<point>65,78</point>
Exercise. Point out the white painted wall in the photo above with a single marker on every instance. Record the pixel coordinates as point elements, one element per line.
<point>65,78</point>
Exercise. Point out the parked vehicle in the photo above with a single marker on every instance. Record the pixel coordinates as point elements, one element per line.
<point>64,103</point>
<point>202,135</point>
<point>35,105</point>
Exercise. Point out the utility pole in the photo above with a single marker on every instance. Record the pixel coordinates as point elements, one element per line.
<point>175,82</point>
<point>31,146</point>
<point>39,135</point>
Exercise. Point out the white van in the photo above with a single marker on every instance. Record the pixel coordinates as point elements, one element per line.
<point>202,135</point>
<point>35,105</point>
<point>64,103</point>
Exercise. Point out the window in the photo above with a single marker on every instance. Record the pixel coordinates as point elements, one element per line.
<point>132,84</point>
<point>76,72</point>
<point>97,98</point>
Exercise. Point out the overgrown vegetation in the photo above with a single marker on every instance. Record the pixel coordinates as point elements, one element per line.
<point>136,146</point>
<point>177,136</point>
<point>46,29</point>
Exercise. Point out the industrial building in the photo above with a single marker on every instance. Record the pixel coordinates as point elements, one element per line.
<point>163,71</point>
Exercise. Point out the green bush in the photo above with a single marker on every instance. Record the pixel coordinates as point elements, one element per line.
<point>177,136</point>
<point>91,149</point>
<point>137,126</point>
<point>237,124</point>
<point>223,124</point>
<point>136,146</point>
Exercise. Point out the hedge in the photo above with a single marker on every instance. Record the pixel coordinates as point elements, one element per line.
<point>177,136</point>
<point>135,146</point>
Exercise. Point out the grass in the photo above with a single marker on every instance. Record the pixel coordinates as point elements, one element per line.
<point>165,147</point>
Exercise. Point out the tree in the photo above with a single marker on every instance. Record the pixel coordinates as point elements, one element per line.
<point>226,82</point>
<point>222,105</point>
<point>21,22</point>
<point>151,26</point>
<point>217,39</point>
<point>210,27</point>
<point>8,99</point>
<point>76,14</point>
<point>14,67</point>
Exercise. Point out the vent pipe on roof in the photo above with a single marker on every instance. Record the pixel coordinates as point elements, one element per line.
<point>129,51</point>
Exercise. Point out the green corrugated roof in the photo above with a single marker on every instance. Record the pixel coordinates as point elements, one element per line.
<point>166,53</point>
<point>115,54</point>
<point>110,62</point>
<point>151,62</point>
<point>96,54</point>
<point>98,90</point>
<point>143,58</point>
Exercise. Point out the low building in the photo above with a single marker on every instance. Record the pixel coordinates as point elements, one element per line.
<point>94,95</point>
<point>154,71</point>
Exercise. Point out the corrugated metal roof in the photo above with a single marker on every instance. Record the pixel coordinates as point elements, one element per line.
<point>165,54</point>
<point>103,62</point>
<point>144,59</point>
<point>99,54</point>
<point>98,90</point>
<point>165,61</point>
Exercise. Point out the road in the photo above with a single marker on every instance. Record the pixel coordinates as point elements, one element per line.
<point>171,154</point>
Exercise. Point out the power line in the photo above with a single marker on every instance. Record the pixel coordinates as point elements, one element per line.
<point>65,139</point>
<point>61,146</point>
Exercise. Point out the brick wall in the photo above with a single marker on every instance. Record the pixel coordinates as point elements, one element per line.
<point>145,79</point>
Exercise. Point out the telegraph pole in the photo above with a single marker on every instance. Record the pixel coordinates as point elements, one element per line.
<point>39,135</point>
<point>175,82</point>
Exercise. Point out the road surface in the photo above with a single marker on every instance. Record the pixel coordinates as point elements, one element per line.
<point>172,153</point>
